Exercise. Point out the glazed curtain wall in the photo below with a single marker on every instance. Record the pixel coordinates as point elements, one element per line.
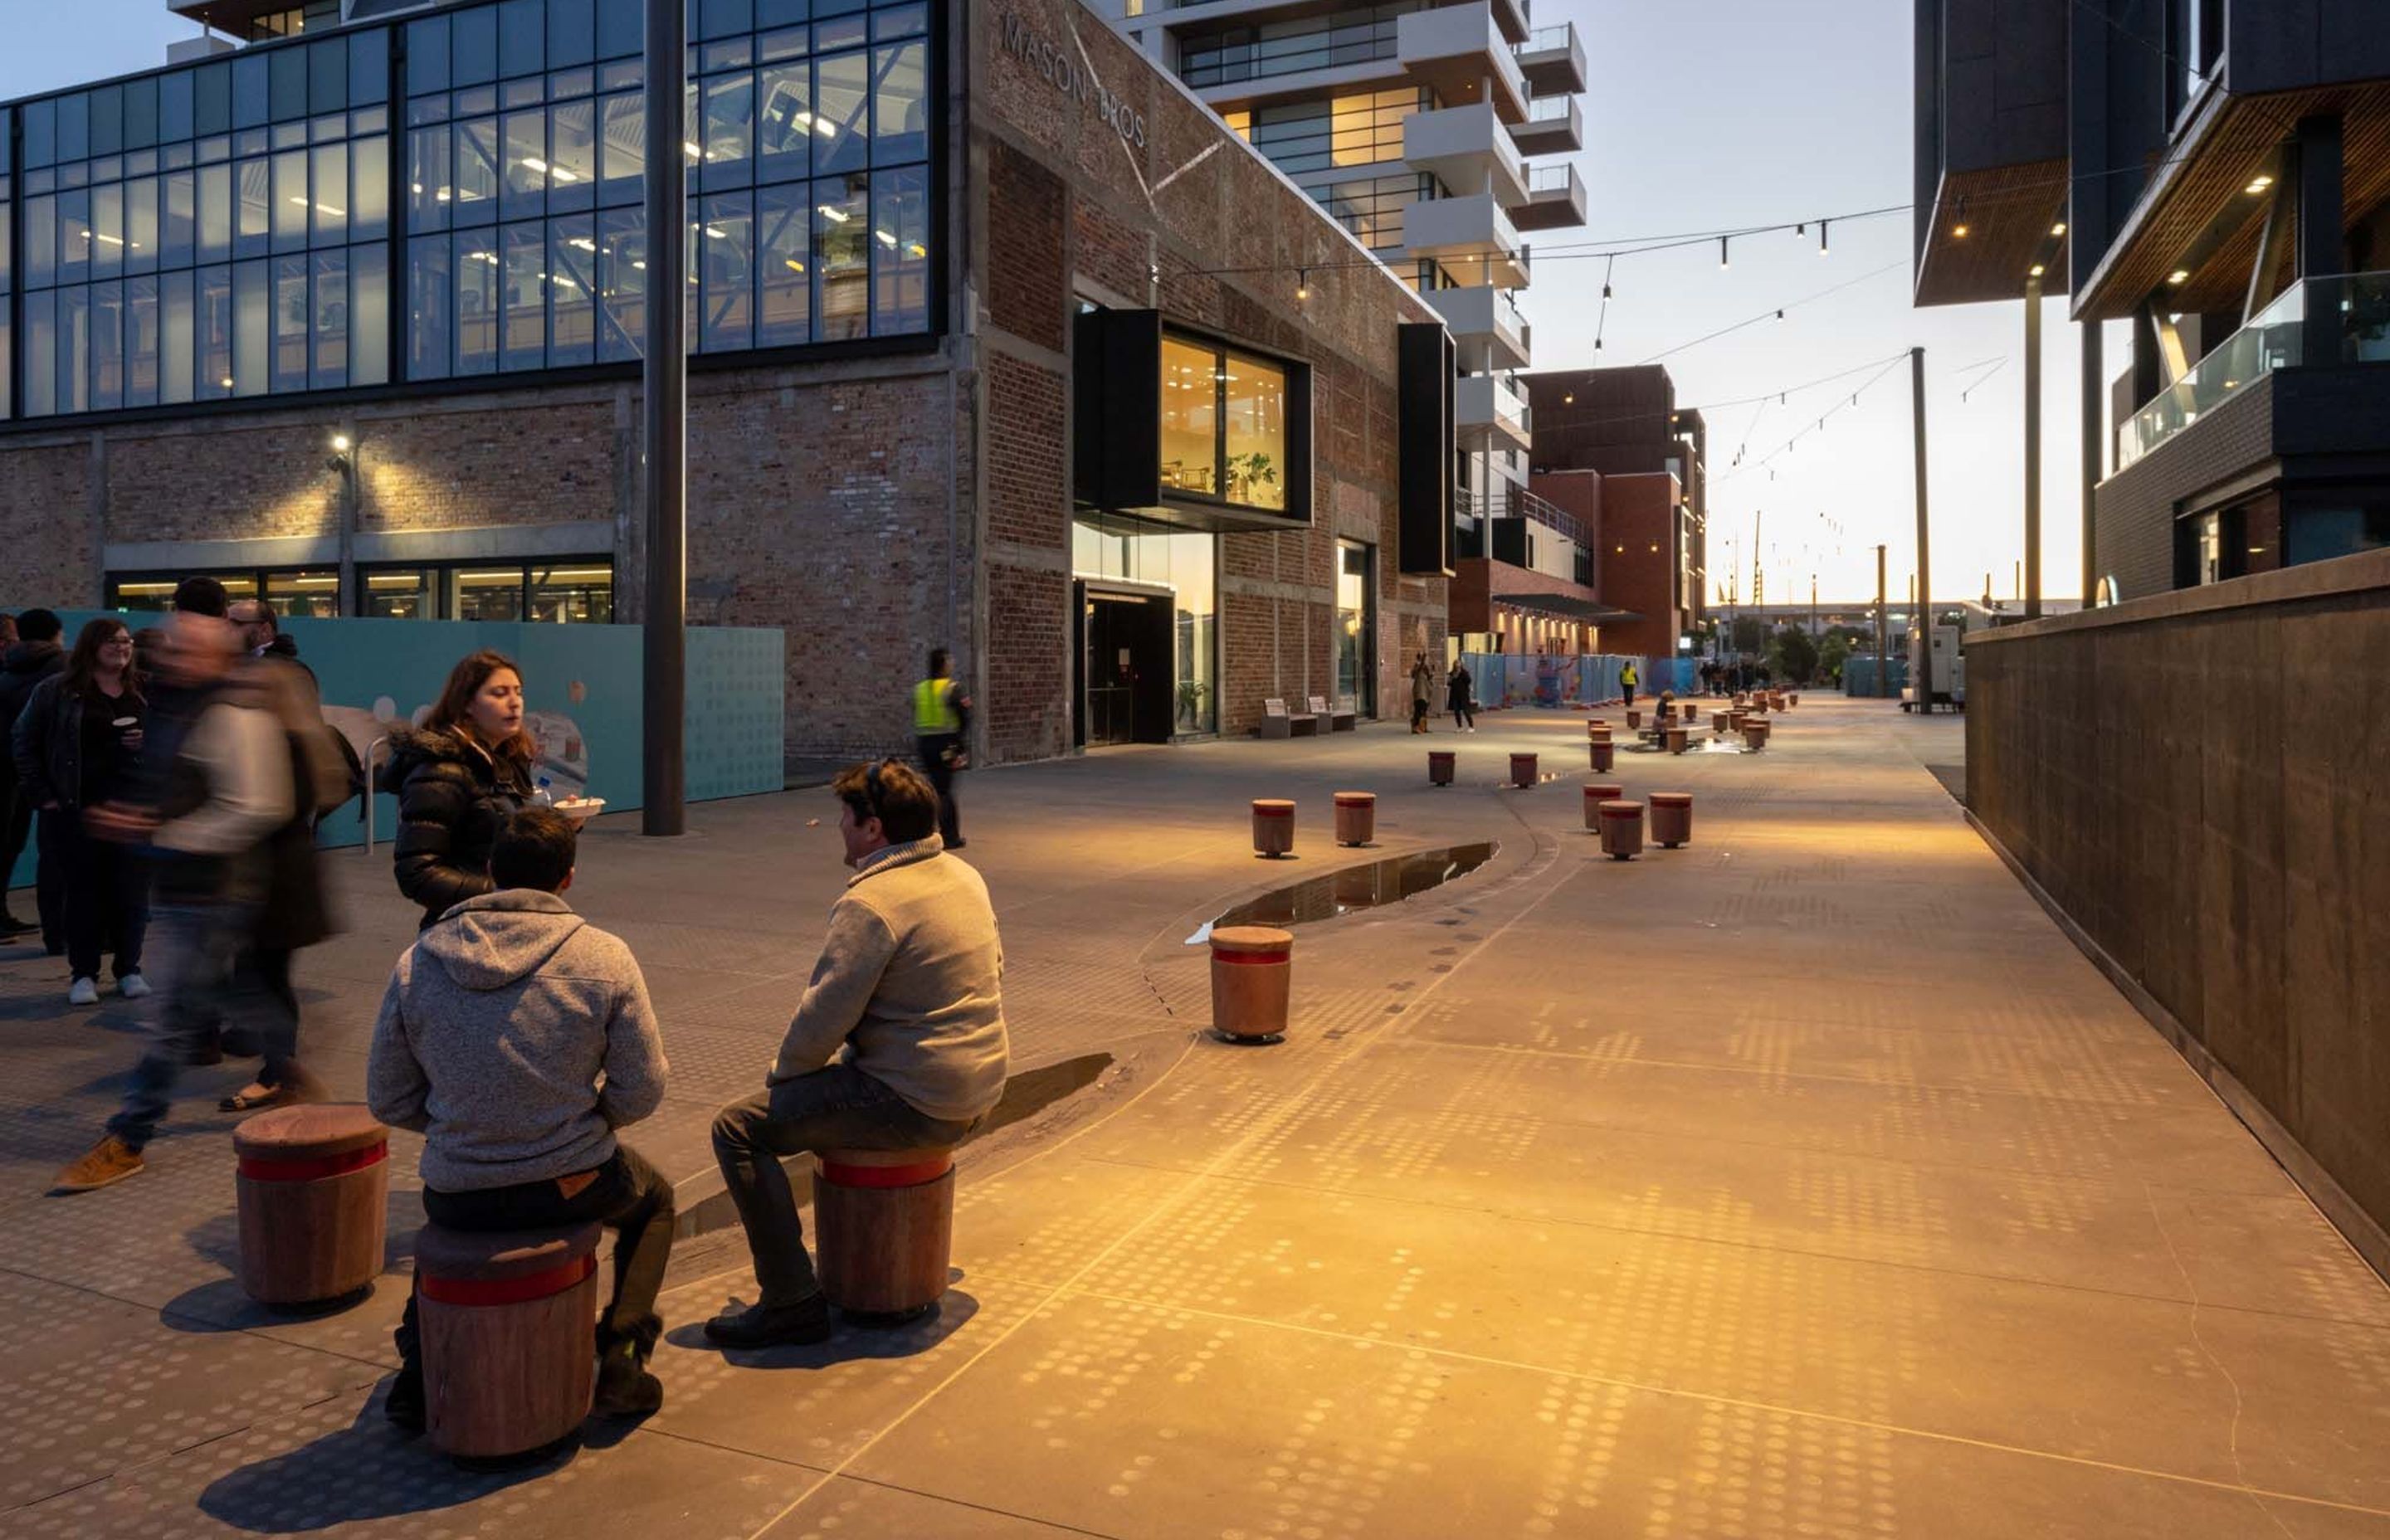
<point>460,194</point>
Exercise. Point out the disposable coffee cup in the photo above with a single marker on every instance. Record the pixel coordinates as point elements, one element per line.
<point>123,723</point>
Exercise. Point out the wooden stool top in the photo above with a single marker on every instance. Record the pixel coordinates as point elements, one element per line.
<point>1357,799</point>
<point>1671,799</point>
<point>1620,808</point>
<point>495,1255</point>
<point>1273,807</point>
<point>1241,939</point>
<point>1602,792</point>
<point>293,1132</point>
<point>886,1168</point>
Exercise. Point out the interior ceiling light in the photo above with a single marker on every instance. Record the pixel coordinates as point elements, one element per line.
<point>2036,270</point>
<point>2180,275</point>
<point>2258,184</point>
<point>2059,228</point>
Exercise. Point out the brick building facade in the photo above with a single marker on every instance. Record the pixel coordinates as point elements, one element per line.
<point>874,496</point>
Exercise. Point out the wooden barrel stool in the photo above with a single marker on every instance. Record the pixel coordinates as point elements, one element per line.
<point>1273,828</point>
<point>1439,767</point>
<point>1596,728</point>
<point>883,1227</point>
<point>1755,733</point>
<point>1634,718</point>
<point>1356,817</point>
<point>1720,721</point>
<point>1621,829</point>
<point>1735,719</point>
<point>1253,977</point>
<point>1685,711</point>
<point>1597,793</point>
<point>315,1186</point>
<point>1602,752</point>
<point>1522,770</point>
<point>508,1322</point>
<point>1678,739</point>
<point>1672,819</point>
<point>1793,698</point>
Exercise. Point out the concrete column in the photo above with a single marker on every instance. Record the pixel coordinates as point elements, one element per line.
<point>2033,449</point>
<point>2095,450</point>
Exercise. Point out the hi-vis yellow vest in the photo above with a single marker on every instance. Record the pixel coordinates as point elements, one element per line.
<point>933,709</point>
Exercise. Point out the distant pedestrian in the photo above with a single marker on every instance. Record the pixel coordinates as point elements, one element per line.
<point>942,737</point>
<point>34,657</point>
<point>458,777</point>
<point>1422,693</point>
<point>76,747</point>
<point>1627,680</point>
<point>1459,693</point>
<point>516,1038</point>
<point>226,779</point>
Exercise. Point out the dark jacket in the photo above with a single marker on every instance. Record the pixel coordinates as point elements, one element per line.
<point>452,797</point>
<point>22,667</point>
<point>298,910</point>
<point>47,743</point>
<point>1457,687</point>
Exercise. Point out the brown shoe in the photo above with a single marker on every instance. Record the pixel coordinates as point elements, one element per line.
<point>109,1162</point>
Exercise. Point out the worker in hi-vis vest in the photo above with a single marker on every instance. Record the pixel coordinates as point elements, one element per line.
<point>941,720</point>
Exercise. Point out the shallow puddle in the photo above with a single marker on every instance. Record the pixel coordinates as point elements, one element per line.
<point>1371,886</point>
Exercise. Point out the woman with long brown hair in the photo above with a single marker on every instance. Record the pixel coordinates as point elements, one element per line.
<point>458,777</point>
<point>77,748</point>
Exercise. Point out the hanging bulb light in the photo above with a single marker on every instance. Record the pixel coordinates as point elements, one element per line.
<point>1723,262</point>
<point>1779,315</point>
<point>1303,283</point>
<point>1596,344</point>
<point>1605,290</point>
<point>1959,219</point>
<point>1823,248</point>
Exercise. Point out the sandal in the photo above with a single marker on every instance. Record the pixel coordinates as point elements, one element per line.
<point>261,1100</point>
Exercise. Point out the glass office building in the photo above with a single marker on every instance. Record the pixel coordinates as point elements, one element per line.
<point>457,195</point>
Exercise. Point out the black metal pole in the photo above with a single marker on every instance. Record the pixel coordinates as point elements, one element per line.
<point>1920,620</point>
<point>1882,686</point>
<point>2095,447</point>
<point>664,378</point>
<point>2032,449</point>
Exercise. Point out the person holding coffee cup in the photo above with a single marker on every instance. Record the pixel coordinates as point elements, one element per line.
<point>76,749</point>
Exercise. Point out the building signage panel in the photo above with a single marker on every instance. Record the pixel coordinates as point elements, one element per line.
<point>1065,73</point>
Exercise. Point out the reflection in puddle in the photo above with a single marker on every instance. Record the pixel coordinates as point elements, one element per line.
<point>1366,887</point>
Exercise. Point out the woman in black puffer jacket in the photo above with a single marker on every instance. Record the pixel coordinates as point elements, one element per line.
<point>458,777</point>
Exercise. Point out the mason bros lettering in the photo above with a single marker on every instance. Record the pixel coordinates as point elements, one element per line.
<point>1064,73</point>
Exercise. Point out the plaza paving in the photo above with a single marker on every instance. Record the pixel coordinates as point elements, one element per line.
<point>1804,1181</point>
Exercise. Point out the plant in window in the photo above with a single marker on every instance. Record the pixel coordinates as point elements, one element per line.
<point>1248,474</point>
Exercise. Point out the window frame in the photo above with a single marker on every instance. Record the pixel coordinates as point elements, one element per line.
<point>1298,455</point>
<point>442,571</point>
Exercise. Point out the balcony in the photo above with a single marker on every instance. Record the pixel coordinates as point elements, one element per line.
<point>1467,150</point>
<point>1461,52</point>
<point>1483,318</point>
<point>2320,322</point>
<point>1555,200</point>
<point>1553,60</point>
<point>1472,237</point>
<point>1555,125</point>
<point>1487,414</point>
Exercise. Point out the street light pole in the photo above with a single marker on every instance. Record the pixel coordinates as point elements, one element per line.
<point>1920,620</point>
<point>664,381</point>
<point>1881,682</point>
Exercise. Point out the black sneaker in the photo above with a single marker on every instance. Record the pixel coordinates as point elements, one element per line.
<point>625,1389</point>
<point>11,927</point>
<point>771,1325</point>
<point>404,1405</point>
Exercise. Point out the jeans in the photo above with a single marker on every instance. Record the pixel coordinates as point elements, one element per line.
<point>836,1107</point>
<point>106,899</point>
<point>932,752</point>
<point>627,1195</point>
<point>1462,716</point>
<point>204,974</point>
<point>49,868</point>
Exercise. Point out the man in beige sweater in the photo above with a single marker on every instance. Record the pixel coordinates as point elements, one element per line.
<point>898,1043</point>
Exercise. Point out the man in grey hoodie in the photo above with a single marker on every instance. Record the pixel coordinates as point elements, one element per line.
<point>516,1038</point>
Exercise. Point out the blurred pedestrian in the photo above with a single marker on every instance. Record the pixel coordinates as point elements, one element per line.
<point>34,657</point>
<point>1422,692</point>
<point>516,1038</point>
<point>942,737</point>
<point>458,777</point>
<point>1627,678</point>
<point>898,1044</point>
<point>225,774</point>
<point>296,910</point>
<point>1460,695</point>
<point>76,749</point>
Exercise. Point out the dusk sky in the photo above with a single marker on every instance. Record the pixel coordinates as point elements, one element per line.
<point>1703,115</point>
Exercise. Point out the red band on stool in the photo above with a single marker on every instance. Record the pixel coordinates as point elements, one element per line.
<point>258,1169</point>
<point>1251,959</point>
<point>841,1174</point>
<point>517,1290</point>
<point>1273,813</point>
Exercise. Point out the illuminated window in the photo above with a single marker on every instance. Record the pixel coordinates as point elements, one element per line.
<point>1190,446</point>
<point>1223,425</point>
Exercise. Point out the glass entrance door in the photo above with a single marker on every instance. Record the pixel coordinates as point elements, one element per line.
<point>1126,678</point>
<point>1356,627</point>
